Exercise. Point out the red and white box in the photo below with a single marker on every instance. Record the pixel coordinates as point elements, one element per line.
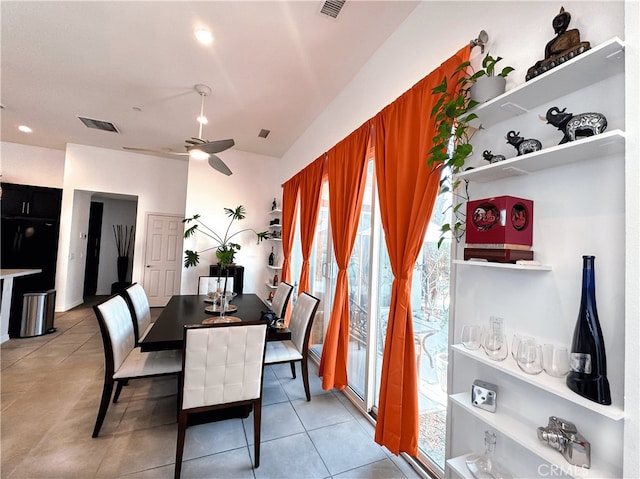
<point>502,222</point>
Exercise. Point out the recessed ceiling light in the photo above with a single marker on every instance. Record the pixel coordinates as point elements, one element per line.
<point>204,36</point>
<point>25,129</point>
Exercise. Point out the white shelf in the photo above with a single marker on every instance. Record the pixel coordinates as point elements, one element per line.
<point>597,64</point>
<point>555,386</point>
<point>274,267</point>
<point>525,435</point>
<point>459,466</point>
<point>274,239</point>
<point>277,211</point>
<point>606,145</point>
<point>270,285</point>
<point>276,227</point>
<point>489,264</point>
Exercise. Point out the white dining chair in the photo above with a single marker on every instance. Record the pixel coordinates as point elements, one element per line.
<point>122,360</point>
<point>296,349</point>
<point>281,299</point>
<point>138,303</point>
<point>223,367</point>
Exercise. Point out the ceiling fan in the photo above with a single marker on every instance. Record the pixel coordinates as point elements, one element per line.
<point>198,148</point>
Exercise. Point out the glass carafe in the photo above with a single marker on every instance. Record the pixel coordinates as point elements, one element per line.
<point>484,466</point>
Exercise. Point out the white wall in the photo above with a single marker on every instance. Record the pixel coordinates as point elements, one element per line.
<point>253,184</point>
<point>518,31</point>
<point>31,165</point>
<point>159,183</point>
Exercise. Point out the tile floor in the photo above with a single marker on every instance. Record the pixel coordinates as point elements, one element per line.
<point>51,387</point>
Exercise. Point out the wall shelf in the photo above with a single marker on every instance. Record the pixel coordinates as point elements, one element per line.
<point>515,430</point>
<point>488,264</point>
<point>274,267</point>
<point>597,64</point>
<point>555,386</point>
<point>607,144</point>
<point>459,466</point>
<point>277,211</point>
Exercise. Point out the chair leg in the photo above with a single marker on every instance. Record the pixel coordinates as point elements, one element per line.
<point>182,427</point>
<point>293,369</point>
<point>118,390</point>
<point>107,389</point>
<point>305,377</point>
<point>257,419</point>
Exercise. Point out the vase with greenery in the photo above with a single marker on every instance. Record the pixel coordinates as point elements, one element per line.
<point>451,148</point>
<point>224,247</point>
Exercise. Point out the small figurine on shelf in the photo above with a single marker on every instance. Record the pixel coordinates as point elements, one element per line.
<point>274,205</point>
<point>272,257</point>
<point>521,145</point>
<point>491,158</point>
<point>574,126</point>
<point>275,279</point>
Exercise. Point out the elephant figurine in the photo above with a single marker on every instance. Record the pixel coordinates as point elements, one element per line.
<point>521,145</point>
<point>574,126</point>
<point>491,158</point>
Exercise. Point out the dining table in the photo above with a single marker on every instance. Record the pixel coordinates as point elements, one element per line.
<point>167,331</point>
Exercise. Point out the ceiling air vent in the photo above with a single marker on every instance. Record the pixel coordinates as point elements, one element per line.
<point>99,124</point>
<point>331,8</point>
<point>264,133</point>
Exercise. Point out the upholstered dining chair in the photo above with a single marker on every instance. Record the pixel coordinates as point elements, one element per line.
<point>138,303</point>
<point>297,348</point>
<point>223,367</point>
<point>123,361</point>
<point>281,299</point>
<point>210,283</point>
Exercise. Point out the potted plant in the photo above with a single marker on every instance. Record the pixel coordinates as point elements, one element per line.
<point>486,82</point>
<point>223,244</point>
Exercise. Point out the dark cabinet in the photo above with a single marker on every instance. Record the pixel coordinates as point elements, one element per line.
<point>236,272</point>
<point>31,201</point>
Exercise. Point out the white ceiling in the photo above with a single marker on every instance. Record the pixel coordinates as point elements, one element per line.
<point>273,65</point>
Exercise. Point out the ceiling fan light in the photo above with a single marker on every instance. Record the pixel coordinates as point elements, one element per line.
<point>202,120</point>
<point>198,154</point>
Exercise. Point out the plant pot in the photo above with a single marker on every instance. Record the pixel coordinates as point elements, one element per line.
<point>487,88</point>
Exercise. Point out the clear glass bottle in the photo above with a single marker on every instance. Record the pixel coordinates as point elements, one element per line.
<point>484,466</point>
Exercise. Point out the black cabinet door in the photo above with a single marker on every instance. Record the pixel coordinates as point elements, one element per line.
<point>31,201</point>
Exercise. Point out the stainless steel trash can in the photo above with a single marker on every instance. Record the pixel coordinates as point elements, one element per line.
<point>38,310</point>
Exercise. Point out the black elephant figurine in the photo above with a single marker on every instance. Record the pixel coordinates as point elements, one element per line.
<point>521,145</point>
<point>574,126</point>
<point>491,158</point>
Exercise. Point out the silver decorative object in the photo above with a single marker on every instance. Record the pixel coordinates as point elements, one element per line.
<point>563,436</point>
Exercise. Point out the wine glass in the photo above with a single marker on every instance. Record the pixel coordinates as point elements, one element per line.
<point>529,356</point>
<point>555,360</point>
<point>472,336</point>
<point>495,345</point>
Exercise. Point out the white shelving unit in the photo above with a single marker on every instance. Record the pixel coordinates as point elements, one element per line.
<point>480,287</point>
<point>275,242</point>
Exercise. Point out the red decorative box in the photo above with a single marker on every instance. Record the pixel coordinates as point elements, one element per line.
<point>503,220</point>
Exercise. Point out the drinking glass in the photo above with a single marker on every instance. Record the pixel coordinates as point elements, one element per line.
<point>529,356</point>
<point>472,336</point>
<point>515,342</point>
<point>555,360</point>
<point>495,346</point>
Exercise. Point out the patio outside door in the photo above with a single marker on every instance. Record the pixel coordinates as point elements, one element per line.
<point>163,258</point>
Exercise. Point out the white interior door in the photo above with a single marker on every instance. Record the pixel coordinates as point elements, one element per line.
<point>163,258</point>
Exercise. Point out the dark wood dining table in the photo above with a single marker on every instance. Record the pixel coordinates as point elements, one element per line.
<point>168,330</point>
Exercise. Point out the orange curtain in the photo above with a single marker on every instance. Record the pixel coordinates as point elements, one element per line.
<point>347,176</point>
<point>289,210</point>
<point>311,179</point>
<point>407,189</point>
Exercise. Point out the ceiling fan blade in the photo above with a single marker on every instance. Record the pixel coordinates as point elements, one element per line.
<point>154,152</point>
<point>217,164</point>
<point>215,146</point>
<point>195,141</point>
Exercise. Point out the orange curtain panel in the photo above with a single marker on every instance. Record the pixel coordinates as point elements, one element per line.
<point>289,213</point>
<point>407,189</point>
<point>311,179</point>
<point>347,176</point>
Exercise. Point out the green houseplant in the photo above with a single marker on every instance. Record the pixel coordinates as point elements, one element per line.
<point>223,244</point>
<point>453,116</point>
<point>487,83</point>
